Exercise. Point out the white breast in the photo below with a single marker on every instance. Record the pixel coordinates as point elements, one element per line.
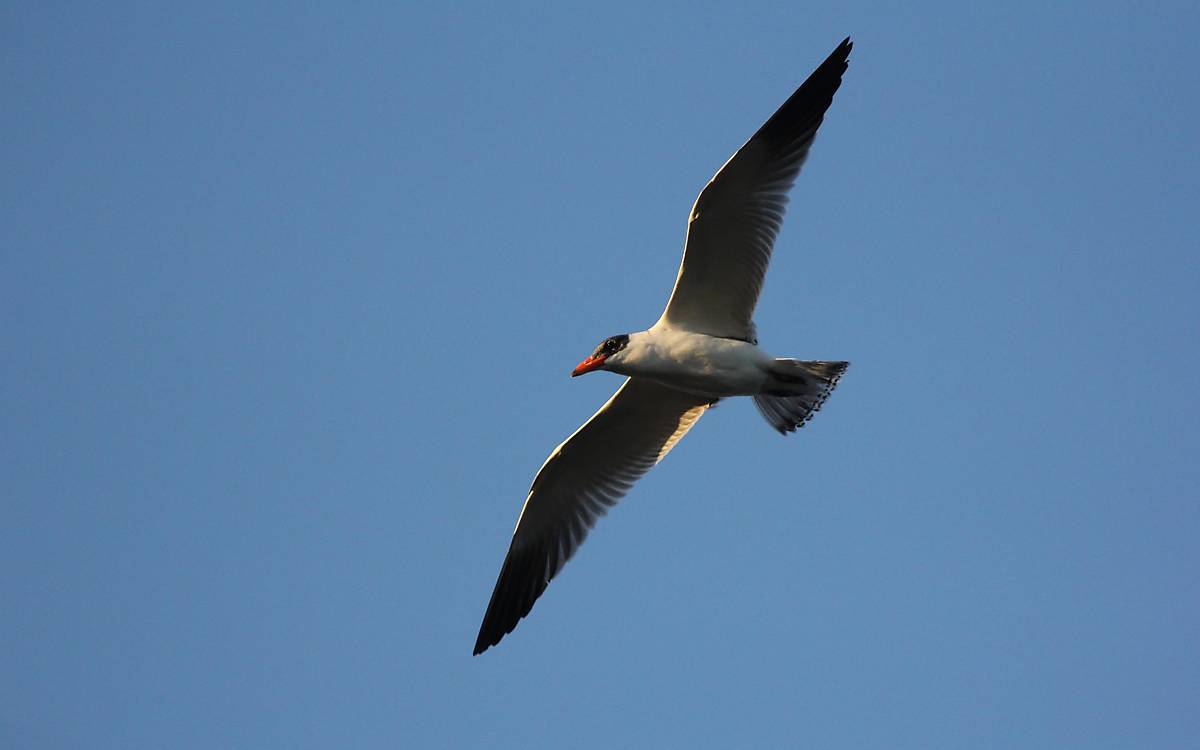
<point>694,362</point>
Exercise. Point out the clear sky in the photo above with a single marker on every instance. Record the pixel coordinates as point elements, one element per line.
<point>289,299</point>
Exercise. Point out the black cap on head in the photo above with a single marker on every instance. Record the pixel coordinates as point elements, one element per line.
<point>611,345</point>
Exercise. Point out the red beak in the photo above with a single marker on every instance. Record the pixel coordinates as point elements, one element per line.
<point>587,365</point>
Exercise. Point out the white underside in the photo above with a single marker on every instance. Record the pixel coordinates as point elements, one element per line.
<point>693,362</point>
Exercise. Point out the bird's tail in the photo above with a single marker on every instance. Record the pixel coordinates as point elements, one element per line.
<point>795,391</point>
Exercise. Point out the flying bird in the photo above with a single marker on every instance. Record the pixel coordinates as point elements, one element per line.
<point>703,348</point>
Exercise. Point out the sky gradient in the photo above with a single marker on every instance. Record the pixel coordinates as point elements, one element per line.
<point>290,300</point>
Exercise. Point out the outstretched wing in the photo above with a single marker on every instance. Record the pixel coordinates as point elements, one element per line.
<point>736,219</point>
<point>583,477</point>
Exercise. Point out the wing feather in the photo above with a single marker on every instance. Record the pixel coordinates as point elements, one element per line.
<point>736,218</point>
<point>583,477</point>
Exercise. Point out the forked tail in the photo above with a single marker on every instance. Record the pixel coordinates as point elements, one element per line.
<point>795,391</point>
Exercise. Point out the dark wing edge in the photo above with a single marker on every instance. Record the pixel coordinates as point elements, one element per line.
<point>632,432</point>
<point>795,123</point>
<point>741,209</point>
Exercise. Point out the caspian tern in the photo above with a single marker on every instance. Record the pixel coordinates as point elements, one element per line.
<point>703,348</point>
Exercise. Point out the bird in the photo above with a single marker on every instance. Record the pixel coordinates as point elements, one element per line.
<point>702,349</point>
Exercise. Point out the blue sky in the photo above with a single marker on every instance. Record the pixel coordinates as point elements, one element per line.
<point>290,298</point>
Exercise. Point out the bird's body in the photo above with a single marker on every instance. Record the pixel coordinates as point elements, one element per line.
<point>708,366</point>
<point>704,348</point>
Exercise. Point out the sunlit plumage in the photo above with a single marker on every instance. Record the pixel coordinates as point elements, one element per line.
<point>702,349</point>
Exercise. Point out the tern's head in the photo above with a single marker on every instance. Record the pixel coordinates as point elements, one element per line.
<point>609,351</point>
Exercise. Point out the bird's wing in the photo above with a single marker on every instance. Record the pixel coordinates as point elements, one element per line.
<point>734,222</point>
<point>583,477</point>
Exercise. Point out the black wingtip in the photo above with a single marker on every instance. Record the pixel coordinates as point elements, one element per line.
<point>841,53</point>
<point>489,634</point>
<point>523,578</point>
<point>797,120</point>
<point>480,645</point>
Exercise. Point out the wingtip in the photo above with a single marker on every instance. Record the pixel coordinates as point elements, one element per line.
<point>842,52</point>
<point>488,636</point>
<point>485,640</point>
